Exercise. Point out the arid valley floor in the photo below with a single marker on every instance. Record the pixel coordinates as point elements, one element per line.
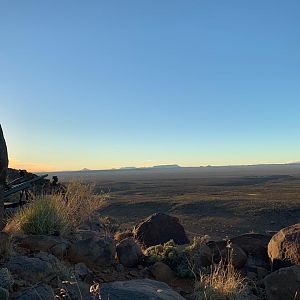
<point>217,201</point>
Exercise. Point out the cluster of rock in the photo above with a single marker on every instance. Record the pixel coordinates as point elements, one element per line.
<point>54,265</point>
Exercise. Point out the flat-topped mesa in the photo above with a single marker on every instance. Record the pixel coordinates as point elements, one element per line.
<point>3,173</point>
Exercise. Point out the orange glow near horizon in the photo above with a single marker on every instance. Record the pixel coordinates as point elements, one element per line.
<point>30,166</point>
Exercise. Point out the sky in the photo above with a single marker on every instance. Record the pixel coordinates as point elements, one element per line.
<point>107,84</point>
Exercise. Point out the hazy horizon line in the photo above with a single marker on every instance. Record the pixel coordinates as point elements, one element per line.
<point>124,168</point>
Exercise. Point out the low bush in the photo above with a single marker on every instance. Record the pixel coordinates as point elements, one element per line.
<point>184,261</point>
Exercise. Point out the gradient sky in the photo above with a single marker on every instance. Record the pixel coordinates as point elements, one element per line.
<point>101,84</point>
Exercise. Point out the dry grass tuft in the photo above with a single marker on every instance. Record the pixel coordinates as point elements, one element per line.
<point>57,213</point>
<point>223,282</point>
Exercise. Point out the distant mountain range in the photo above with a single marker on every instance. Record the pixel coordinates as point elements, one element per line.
<point>175,166</point>
<point>138,168</point>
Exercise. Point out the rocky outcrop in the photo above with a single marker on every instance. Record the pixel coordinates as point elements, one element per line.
<point>139,289</point>
<point>284,246</point>
<point>129,253</point>
<point>55,245</point>
<point>160,228</point>
<point>283,284</point>
<point>94,253</point>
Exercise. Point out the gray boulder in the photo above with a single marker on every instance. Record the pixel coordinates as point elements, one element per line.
<point>129,253</point>
<point>94,253</point>
<point>44,267</point>
<point>283,284</point>
<point>139,289</point>
<point>160,228</point>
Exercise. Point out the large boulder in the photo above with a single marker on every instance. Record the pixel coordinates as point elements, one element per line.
<point>42,268</point>
<point>283,284</point>
<point>36,292</point>
<point>284,246</point>
<point>55,245</point>
<point>129,253</point>
<point>94,253</point>
<point>139,289</point>
<point>160,228</point>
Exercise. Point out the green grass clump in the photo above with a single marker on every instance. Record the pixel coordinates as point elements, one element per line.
<point>43,216</point>
<point>57,213</point>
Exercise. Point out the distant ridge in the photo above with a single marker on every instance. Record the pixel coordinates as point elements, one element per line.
<point>166,166</point>
<point>84,170</point>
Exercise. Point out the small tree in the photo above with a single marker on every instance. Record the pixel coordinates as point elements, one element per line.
<point>3,174</point>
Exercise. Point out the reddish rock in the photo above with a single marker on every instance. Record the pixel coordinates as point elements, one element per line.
<point>284,246</point>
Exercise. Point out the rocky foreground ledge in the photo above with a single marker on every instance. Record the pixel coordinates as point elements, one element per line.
<point>92,264</point>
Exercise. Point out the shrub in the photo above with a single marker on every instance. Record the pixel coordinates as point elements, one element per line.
<point>184,261</point>
<point>57,213</point>
<point>170,254</point>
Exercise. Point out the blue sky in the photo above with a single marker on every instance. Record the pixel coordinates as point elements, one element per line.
<point>103,84</point>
